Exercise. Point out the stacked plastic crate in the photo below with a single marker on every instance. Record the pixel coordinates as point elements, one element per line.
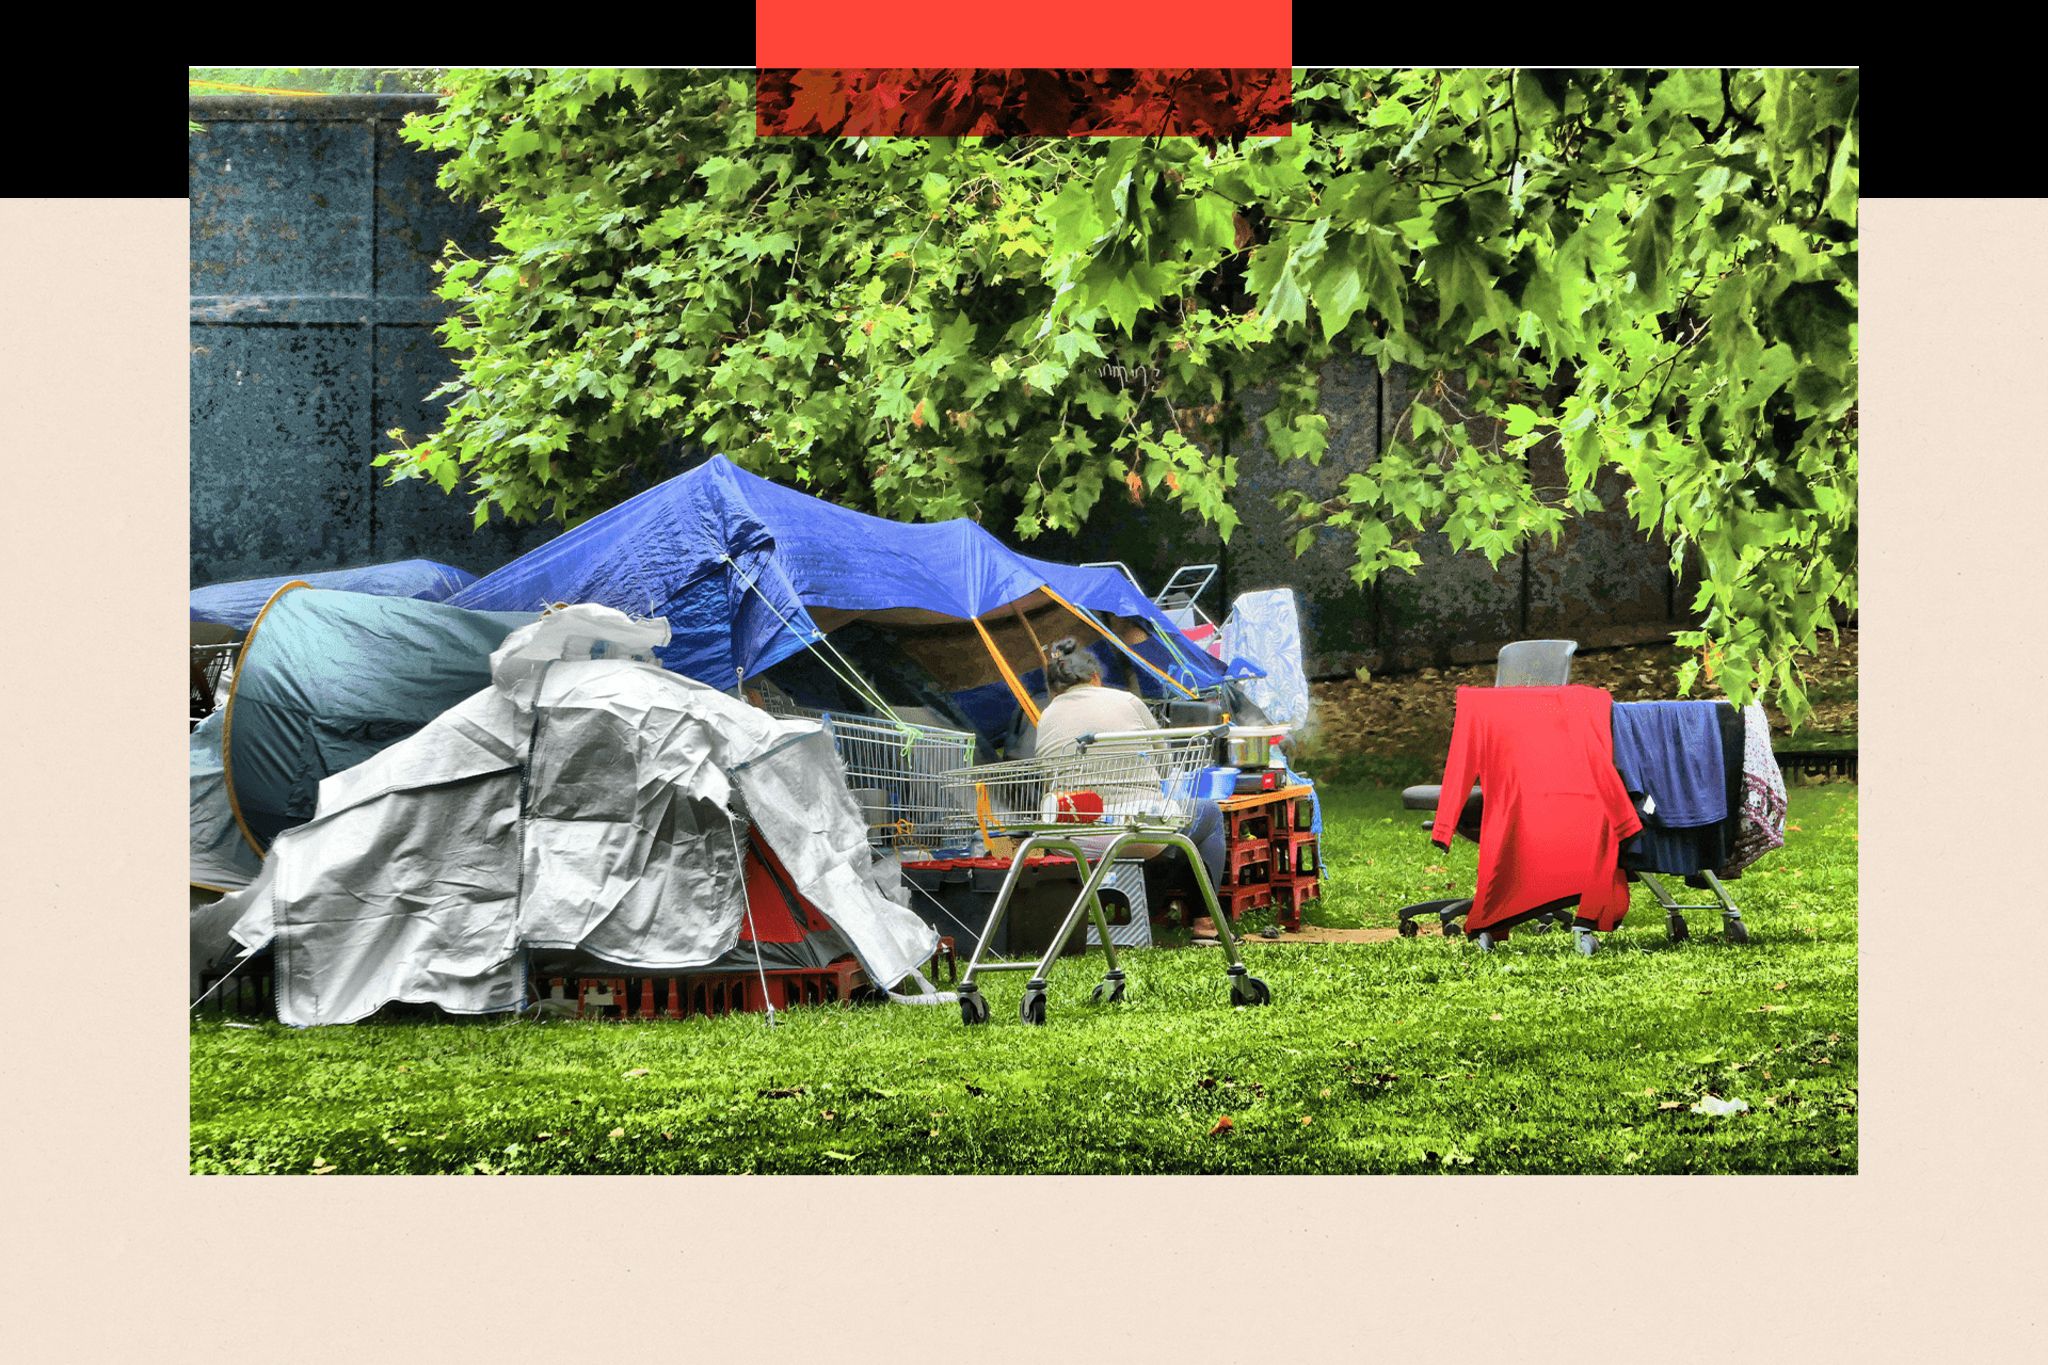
<point>1271,857</point>
<point>1247,856</point>
<point>1297,859</point>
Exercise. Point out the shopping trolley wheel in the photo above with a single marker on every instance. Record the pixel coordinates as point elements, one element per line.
<point>1676,929</point>
<point>1110,991</point>
<point>1736,930</point>
<point>1032,1011</point>
<point>1407,928</point>
<point>973,1008</point>
<point>1249,990</point>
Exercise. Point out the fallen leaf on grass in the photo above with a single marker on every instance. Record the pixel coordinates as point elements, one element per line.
<point>617,1133</point>
<point>841,1156</point>
<point>1496,1017</point>
<point>1672,1104</point>
<point>636,1071</point>
<point>1223,1125</point>
<point>324,1169</point>
<point>1717,1107</point>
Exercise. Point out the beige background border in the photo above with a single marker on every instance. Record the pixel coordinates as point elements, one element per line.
<point>113,1251</point>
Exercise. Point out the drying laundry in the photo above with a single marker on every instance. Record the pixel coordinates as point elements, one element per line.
<point>1762,814</point>
<point>1661,846</point>
<point>1671,752</point>
<point>1555,811</point>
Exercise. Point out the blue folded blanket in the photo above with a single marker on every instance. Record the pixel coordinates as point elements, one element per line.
<point>1671,751</point>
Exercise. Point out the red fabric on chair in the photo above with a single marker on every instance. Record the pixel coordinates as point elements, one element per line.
<point>1555,811</point>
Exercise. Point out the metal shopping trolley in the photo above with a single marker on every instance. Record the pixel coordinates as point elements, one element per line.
<point>898,773</point>
<point>1128,794</point>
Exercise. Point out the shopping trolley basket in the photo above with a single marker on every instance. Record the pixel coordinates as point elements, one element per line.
<point>1130,790</point>
<point>897,773</point>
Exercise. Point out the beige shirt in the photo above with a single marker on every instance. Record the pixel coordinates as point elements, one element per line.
<point>1089,710</point>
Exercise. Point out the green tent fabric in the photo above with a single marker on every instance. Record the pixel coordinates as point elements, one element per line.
<point>328,679</point>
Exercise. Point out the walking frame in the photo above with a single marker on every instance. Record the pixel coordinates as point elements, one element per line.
<point>1116,791</point>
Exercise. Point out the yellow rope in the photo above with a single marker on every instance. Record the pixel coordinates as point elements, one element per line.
<point>1024,701</point>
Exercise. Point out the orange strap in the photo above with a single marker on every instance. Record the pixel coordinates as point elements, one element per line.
<point>1024,701</point>
<point>1125,649</point>
<point>227,717</point>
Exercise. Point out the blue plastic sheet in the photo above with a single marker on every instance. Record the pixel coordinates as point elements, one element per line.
<point>737,563</point>
<point>236,604</point>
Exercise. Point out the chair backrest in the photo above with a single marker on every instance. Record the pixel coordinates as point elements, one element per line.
<point>1535,663</point>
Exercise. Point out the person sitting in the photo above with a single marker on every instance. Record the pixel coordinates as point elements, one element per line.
<point>1081,705</point>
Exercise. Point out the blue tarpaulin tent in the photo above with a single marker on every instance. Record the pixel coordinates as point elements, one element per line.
<point>749,572</point>
<point>236,604</point>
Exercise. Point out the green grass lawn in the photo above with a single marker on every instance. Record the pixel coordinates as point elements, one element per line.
<point>1407,1055</point>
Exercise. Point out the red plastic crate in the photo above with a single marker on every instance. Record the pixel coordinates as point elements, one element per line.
<point>1238,899</point>
<point>1297,855</point>
<point>732,992</point>
<point>1291,896</point>
<point>1249,822</point>
<point>1248,853</point>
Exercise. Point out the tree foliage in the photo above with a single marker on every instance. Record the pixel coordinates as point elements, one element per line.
<point>1647,272</point>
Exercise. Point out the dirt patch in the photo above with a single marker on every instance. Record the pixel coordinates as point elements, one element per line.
<point>1410,713</point>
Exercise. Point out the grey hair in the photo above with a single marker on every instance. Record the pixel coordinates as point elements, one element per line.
<point>1068,665</point>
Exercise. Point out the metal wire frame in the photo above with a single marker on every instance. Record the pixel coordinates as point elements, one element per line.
<point>897,773</point>
<point>1145,780</point>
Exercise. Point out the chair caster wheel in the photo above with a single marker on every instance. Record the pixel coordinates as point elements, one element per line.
<point>1032,1011</point>
<point>1675,929</point>
<point>973,1008</point>
<point>1736,931</point>
<point>1108,992</point>
<point>1484,940</point>
<point>1586,943</point>
<point>1249,990</point>
<point>1406,928</point>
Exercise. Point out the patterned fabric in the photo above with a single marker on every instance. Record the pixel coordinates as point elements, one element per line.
<point>1264,628</point>
<point>1763,794</point>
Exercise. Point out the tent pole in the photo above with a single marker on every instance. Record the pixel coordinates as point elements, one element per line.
<point>1025,622</point>
<point>740,871</point>
<point>1123,648</point>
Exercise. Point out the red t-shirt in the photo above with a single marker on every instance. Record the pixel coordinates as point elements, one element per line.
<point>1555,811</point>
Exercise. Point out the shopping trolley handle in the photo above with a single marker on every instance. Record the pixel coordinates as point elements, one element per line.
<point>1081,742</point>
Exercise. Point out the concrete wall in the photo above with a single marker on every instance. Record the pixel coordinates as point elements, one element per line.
<point>314,231</point>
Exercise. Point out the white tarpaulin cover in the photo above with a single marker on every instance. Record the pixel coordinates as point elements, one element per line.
<point>1265,628</point>
<point>598,804</point>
